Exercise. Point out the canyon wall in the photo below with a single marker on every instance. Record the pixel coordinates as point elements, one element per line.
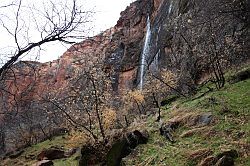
<point>120,47</point>
<point>185,36</point>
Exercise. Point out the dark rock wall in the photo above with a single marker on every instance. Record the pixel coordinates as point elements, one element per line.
<point>188,35</point>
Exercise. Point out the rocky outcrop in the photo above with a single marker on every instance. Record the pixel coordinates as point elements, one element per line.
<point>124,146</point>
<point>197,120</point>
<point>240,76</point>
<point>51,154</point>
<point>93,154</point>
<point>205,157</point>
<point>119,48</point>
<point>167,130</point>
<point>225,158</point>
<point>112,153</point>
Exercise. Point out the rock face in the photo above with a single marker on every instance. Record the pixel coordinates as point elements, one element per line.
<point>120,47</point>
<point>174,41</point>
<point>117,48</point>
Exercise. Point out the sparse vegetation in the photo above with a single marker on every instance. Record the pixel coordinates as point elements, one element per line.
<point>192,109</point>
<point>230,129</point>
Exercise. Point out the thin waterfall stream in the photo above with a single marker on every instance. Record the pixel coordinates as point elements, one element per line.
<point>145,55</point>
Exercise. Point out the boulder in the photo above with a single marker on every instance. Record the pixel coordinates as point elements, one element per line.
<point>123,147</point>
<point>44,163</point>
<point>240,76</point>
<point>230,153</point>
<point>93,154</point>
<point>205,119</point>
<point>167,130</point>
<point>225,161</point>
<point>226,158</point>
<point>51,154</point>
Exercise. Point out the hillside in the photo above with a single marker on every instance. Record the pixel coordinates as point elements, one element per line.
<point>210,124</point>
<point>167,85</point>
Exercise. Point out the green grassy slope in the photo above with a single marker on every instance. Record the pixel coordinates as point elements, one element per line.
<point>30,154</point>
<point>230,129</point>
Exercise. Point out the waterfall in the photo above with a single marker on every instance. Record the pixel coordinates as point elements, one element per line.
<point>170,7</point>
<point>145,54</point>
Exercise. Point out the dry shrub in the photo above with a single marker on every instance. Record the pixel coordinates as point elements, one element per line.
<point>194,131</point>
<point>199,154</point>
<point>133,100</point>
<point>108,118</point>
<point>77,138</point>
<point>135,95</point>
<point>160,83</point>
<point>169,78</point>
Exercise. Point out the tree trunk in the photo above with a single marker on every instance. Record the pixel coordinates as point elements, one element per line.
<point>158,106</point>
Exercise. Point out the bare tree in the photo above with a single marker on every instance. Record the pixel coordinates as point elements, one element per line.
<point>30,26</point>
<point>158,85</point>
<point>82,102</point>
<point>60,21</point>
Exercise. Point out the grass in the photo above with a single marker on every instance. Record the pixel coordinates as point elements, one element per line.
<point>29,156</point>
<point>72,161</point>
<point>230,107</point>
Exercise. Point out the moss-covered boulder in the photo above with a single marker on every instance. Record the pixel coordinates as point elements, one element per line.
<point>123,147</point>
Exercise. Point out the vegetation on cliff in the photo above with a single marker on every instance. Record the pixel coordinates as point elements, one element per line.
<point>192,107</point>
<point>223,127</point>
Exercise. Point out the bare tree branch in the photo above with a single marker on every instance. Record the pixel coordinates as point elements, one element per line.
<point>61,24</point>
